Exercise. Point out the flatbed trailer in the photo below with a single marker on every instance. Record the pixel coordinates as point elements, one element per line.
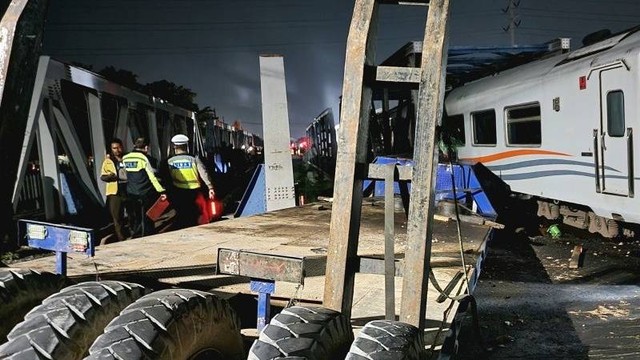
<point>187,258</point>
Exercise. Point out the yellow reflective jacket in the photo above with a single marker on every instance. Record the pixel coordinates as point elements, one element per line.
<point>109,168</point>
<point>184,172</point>
<point>141,177</point>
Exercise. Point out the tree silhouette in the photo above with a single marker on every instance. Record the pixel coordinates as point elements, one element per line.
<point>175,94</point>
<point>122,77</point>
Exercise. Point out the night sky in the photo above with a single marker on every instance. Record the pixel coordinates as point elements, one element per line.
<point>212,46</point>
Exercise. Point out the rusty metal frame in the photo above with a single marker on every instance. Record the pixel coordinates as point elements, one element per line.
<point>421,207</point>
<point>352,143</point>
<point>261,266</point>
<point>350,167</point>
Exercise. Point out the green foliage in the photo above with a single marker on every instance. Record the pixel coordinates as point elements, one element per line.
<point>311,182</point>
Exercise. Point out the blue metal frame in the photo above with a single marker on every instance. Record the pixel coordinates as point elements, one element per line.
<point>464,178</point>
<point>254,199</point>
<point>264,288</point>
<point>59,238</point>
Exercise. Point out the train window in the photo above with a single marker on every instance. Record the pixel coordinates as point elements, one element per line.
<point>615,113</point>
<point>523,125</point>
<point>453,129</point>
<point>484,127</point>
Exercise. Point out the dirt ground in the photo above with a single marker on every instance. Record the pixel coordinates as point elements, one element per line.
<point>532,306</point>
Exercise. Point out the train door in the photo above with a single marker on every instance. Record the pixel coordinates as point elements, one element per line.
<point>616,147</point>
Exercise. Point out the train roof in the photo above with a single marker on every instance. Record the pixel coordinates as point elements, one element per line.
<point>528,75</point>
<point>468,63</point>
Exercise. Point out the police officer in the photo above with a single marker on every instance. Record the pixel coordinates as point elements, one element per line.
<point>143,187</point>
<point>188,174</point>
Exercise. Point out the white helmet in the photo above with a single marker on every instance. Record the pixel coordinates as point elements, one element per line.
<point>180,139</point>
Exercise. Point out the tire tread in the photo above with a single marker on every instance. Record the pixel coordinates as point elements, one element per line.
<point>151,327</point>
<point>386,339</point>
<point>298,332</point>
<point>67,322</point>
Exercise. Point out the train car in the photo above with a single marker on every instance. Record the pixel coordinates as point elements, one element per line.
<point>561,130</point>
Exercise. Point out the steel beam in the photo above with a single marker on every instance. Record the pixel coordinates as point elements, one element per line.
<point>21,29</point>
<point>352,144</point>
<point>97,140</point>
<point>261,266</point>
<point>33,119</point>
<point>280,190</point>
<point>77,157</point>
<point>152,126</point>
<point>48,153</point>
<point>421,207</point>
<point>122,127</point>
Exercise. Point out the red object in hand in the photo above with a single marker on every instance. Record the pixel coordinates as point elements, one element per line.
<point>157,209</point>
<point>215,209</point>
<point>210,209</point>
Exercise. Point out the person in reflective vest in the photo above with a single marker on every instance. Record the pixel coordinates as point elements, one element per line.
<point>188,175</point>
<point>114,175</point>
<point>143,188</point>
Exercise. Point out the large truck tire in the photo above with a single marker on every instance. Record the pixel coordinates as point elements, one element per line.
<point>386,339</point>
<point>20,291</point>
<point>312,333</point>
<point>176,324</point>
<point>66,323</point>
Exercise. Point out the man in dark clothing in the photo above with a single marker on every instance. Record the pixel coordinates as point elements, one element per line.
<point>143,188</point>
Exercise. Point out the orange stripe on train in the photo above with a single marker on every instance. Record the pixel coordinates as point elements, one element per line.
<point>512,153</point>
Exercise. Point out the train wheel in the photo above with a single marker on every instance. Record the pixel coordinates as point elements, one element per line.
<point>312,333</point>
<point>172,324</point>
<point>68,322</point>
<point>386,339</point>
<point>20,291</point>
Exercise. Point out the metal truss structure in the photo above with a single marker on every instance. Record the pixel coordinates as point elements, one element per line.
<point>323,146</point>
<point>72,117</point>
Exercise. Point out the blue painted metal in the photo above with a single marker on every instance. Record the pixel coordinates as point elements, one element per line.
<point>502,50</point>
<point>464,178</point>
<point>59,238</point>
<point>254,200</point>
<point>67,195</point>
<point>264,288</point>
<point>61,263</point>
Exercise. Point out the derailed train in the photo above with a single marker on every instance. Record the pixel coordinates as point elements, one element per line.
<point>561,130</point>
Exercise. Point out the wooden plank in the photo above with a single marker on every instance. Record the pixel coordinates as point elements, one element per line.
<point>576,255</point>
<point>421,207</point>
<point>471,219</point>
<point>398,74</point>
<point>352,144</point>
<point>378,172</point>
<point>389,242</point>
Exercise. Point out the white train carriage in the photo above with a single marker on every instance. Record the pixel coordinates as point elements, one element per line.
<point>561,129</point>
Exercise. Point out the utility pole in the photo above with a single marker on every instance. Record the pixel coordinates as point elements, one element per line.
<point>514,21</point>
